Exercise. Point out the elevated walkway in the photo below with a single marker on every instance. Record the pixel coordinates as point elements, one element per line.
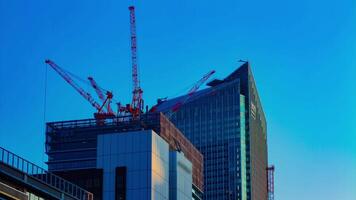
<point>24,174</point>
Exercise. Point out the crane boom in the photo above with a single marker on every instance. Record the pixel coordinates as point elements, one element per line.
<point>200,82</point>
<point>178,105</point>
<point>96,88</point>
<point>71,82</point>
<point>192,91</point>
<point>137,102</point>
<point>105,101</point>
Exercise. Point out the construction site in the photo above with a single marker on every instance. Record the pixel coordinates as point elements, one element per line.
<point>177,100</point>
<point>207,143</point>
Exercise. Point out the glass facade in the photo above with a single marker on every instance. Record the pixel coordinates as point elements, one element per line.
<point>145,155</point>
<point>212,123</point>
<point>243,148</point>
<point>180,177</point>
<point>231,135</point>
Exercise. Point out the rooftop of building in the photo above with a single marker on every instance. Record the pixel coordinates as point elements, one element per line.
<point>83,130</point>
<point>244,69</point>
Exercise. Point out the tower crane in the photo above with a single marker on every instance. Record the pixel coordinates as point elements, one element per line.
<point>100,114</point>
<point>136,106</point>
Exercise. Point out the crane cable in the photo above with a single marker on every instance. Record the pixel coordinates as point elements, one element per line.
<point>84,81</point>
<point>44,113</point>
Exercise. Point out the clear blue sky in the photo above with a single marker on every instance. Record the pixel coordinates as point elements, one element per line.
<point>302,54</point>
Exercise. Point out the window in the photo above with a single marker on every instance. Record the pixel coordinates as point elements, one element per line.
<point>120,183</point>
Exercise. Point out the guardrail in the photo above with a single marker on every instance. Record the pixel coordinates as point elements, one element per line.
<point>112,121</point>
<point>43,175</point>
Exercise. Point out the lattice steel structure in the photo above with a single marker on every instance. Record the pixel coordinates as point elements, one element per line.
<point>270,184</point>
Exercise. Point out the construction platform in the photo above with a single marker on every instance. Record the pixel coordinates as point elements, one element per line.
<point>72,145</point>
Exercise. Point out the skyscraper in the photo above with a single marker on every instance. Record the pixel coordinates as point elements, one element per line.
<point>227,124</point>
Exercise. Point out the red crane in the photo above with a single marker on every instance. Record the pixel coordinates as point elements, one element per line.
<point>100,112</point>
<point>192,91</point>
<point>98,91</point>
<point>106,101</point>
<point>136,106</point>
<point>178,105</point>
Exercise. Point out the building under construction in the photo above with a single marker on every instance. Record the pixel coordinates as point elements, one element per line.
<point>112,157</point>
<point>225,122</point>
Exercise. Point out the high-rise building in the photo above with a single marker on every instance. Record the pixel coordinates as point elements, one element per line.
<point>126,159</point>
<point>227,124</point>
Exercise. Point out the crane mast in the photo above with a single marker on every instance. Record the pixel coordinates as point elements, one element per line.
<point>137,102</point>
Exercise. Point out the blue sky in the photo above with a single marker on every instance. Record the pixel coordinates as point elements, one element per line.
<point>302,54</point>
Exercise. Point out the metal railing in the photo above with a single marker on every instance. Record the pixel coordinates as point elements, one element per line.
<point>42,175</point>
<point>113,121</point>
